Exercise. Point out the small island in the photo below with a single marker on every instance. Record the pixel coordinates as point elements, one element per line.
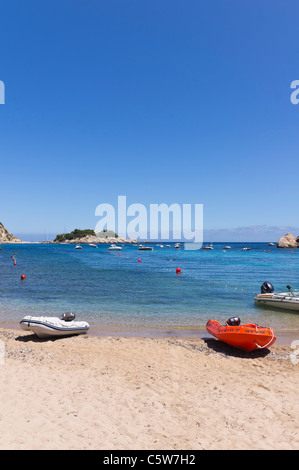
<point>90,236</point>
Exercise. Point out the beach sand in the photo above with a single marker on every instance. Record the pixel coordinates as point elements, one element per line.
<point>91,392</point>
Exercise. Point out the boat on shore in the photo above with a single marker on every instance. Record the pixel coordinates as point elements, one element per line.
<point>46,327</point>
<point>247,337</point>
<point>283,300</point>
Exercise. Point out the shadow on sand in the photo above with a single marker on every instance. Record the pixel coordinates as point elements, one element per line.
<point>223,348</point>
<point>35,339</point>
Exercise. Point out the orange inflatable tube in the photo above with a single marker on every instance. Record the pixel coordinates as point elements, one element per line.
<point>247,337</point>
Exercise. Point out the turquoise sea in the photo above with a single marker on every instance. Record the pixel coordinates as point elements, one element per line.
<point>119,295</point>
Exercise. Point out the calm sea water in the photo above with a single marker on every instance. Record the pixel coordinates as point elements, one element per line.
<point>118,293</point>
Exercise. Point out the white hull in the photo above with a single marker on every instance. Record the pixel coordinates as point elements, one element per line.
<point>45,327</point>
<point>284,301</point>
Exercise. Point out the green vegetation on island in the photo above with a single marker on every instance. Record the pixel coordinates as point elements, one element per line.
<point>77,233</point>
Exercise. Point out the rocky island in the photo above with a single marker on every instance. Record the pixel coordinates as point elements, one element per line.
<point>79,236</point>
<point>288,241</point>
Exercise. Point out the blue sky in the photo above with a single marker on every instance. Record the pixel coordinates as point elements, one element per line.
<point>162,101</point>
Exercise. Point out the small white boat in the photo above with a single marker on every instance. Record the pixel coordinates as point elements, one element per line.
<point>177,245</point>
<point>227,248</point>
<point>78,247</point>
<point>246,248</point>
<point>145,248</point>
<point>114,247</point>
<point>46,327</point>
<point>285,300</point>
<point>271,244</point>
<point>93,245</point>
<point>209,247</point>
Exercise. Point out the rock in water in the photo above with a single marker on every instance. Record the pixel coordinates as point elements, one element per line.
<point>288,241</point>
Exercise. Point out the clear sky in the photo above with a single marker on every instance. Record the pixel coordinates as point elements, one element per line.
<point>163,101</point>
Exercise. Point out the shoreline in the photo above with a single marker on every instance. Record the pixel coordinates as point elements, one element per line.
<point>192,333</point>
<point>88,392</point>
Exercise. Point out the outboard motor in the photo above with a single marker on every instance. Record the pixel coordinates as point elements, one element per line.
<point>68,316</point>
<point>267,288</point>
<point>234,321</point>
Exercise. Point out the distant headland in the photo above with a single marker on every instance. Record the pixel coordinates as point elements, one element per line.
<point>6,237</point>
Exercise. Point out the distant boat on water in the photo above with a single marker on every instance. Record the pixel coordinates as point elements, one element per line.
<point>209,247</point>
<point>78,247</point>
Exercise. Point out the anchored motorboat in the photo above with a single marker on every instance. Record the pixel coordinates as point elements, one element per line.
<point>114,247</point>
<point>93,245</point>
<point>78,247</point>
<point>286,300</point>
<point>145,248</point>
<point>247,337</point>
<point>45,327</point>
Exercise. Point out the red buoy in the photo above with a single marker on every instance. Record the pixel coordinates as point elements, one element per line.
<point>139,260</point>
<point>23,277</point>
<point>178,270</point>
<point>15,263</point>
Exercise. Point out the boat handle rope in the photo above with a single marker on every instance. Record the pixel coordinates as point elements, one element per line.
<point>262,347</point>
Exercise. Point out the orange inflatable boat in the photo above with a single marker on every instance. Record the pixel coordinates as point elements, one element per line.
<point>247,337</point>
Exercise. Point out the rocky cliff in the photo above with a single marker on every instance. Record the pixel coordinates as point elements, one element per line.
<point>6,237</point>
<point>288,241</point>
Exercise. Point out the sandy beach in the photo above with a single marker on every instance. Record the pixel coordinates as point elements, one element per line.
<point>91,392</point>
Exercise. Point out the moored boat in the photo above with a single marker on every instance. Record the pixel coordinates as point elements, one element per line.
<point>247,337</point>
<point>114,247</point>
<point>45,327</point>
<point>284,300</point>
